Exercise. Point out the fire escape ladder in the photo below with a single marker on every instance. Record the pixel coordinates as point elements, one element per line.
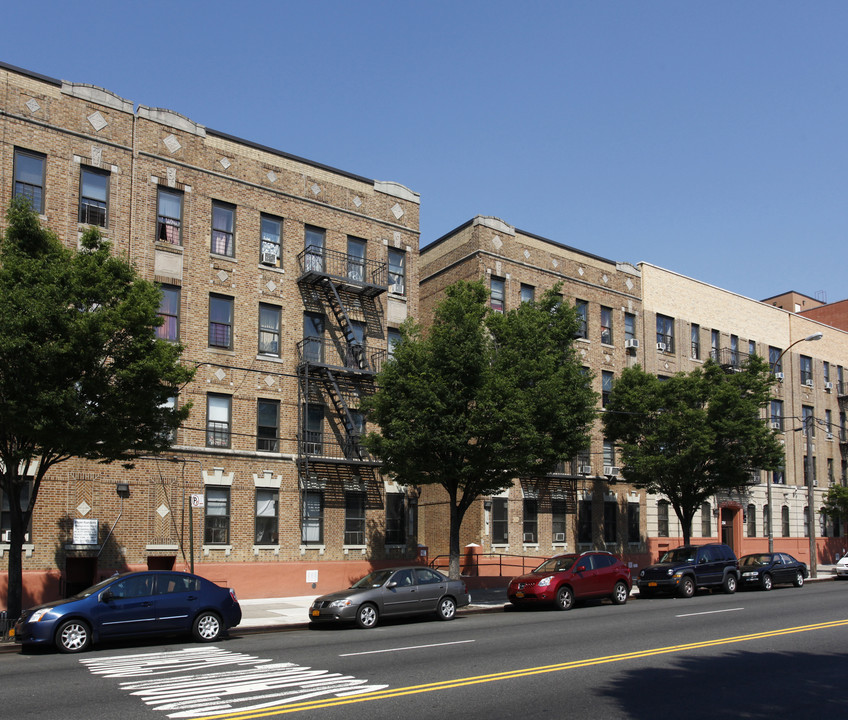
<point>343,411</point>
<point>338,308</point>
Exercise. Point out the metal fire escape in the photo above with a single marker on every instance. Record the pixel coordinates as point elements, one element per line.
<point>335,371</point>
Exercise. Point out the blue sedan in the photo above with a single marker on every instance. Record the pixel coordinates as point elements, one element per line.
<point>137,604</point>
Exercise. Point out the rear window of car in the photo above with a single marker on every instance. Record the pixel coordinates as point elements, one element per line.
<point>175,583</point>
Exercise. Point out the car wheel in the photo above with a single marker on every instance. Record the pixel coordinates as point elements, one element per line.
<point>620,593</point>
<point>765,582</point>
<point>73,636</point>
<point>799,579</point>
<point>446,609</point>
<point>207,627</point>
<point>729,584</point>
<point>366,616</point>
<point>687,587</point>
<point>565,598</point>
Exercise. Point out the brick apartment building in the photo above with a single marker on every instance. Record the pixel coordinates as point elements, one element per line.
<point>285,280</point>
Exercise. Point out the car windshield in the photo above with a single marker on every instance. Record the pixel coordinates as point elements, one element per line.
<point>96,588</point>
<point>374,579</point>
<point>684,554</point>
<point>557,564</point>
<point>755,560</point>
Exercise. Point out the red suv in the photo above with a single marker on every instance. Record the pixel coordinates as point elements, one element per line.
<point>566,578</point>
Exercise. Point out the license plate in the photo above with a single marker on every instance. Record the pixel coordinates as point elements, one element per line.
<point>316,613</point>
<point>12,632</point>
<point>652,584</point>
<point>519,594</point>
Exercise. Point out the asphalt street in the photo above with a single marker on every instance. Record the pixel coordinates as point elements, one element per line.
<point>752,655</point>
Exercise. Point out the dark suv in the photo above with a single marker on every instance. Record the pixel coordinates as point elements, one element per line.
<point>690,567</point>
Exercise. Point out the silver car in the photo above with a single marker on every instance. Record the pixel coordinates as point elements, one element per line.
<point>389,593</point>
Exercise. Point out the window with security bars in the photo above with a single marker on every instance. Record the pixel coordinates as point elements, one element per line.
<point>531,520</point>
<point>6,512</point>
<point>223,229</point>
<point>29,177</point>
<point>94,196</point>
<point>217,516</point>
<point>559,509</point>
<point>267,425</point>
<point>169,214</point>
<point>354,531</point>
<point>218,414</point>
<point>267,516</point>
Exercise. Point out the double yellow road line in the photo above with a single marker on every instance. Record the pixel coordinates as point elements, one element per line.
<point>512,674</point>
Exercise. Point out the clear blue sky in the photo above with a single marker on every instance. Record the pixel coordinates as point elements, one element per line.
<point>705,137</point>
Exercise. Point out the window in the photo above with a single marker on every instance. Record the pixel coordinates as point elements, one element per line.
<point>312,520</point>
<point>217,520</point>
<point>606,387</point>
<point>776,414</point>
<point>706,520</point>
<point>806,521</point>
<point>778,477</point>
<point>606,325</point>
<point>775,359</point>
<point>313,241</point>
<point>584,522</point>
<point>497,294</point>
<point>528,293</point>
<point>610,521</point>
<point>830,476</point>
<point>806,370</point>
<point>354,531</point>
<point>808,420</point>
<point>267,514</point>
<point>609,453</point>
<point>665,333</point>
<point>531,520</point>
<point>395,525</point>
<point>715,344</point>
<point>734,350</point>
<point>6,510</point>
<point>634,534</point>
<point>784,518</point>
<point>582,308</point>
<point>270,237</point>
<point>828,423</point>
<point>766,520</point>
<point>169,213</point>
<point>29,178</point>
<point>267,425</point>
<point>558,513</point>
<point>393,340</point>
<point>662,518</point>
<point>500,521</point>
<point>313,335</point>
<point>752,347</point>
<point>223,229</point>
<point>221,321</point>
<point>218,414</point>
<point>269,330</point>
<point>752,521</point>
<point>397,271</point>
<point>169,311</point>
<point>313,436</point>
<point>629,326</point>
<point>355,259</point>
<point>696,341</point>
<point>94,196</point>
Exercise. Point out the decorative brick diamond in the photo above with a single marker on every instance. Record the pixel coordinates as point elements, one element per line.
<point>605,279</point>
<point>83,508</point>
<point>220,374</point>
<point>222,276</point>
<point>33,105</point>
<point>316,189</point>
<point>580,272</point>
<point>629,284</point>
<point>162,510</point>
<point>172,143</point>
<point>357,201</point>
<point>555,263</point>
<point>272,176</point>
<point>98,122</point>
<point>397,211</point>
<point>225,163</point>
<point>526,254</point>
<point>269,381</point>
<point>271,286</point>
<point>497,242</point>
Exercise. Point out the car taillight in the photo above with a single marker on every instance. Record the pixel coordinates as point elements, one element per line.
<point>233,595</point>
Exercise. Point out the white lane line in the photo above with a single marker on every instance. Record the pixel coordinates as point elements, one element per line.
<point>411,647</point>
<point>711,612</point>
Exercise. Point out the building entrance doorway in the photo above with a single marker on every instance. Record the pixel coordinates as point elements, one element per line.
<point>728,520</point>
<point>161,562</point>
<point>80,573</point>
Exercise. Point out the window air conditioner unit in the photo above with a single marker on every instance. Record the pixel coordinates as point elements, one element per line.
<point>775,425</point>
<point>6,536</point>
<point>269,258</point>
<point>830,436</point>
<point>779,376</point>
<point>611,470</point>
<point>661,346</point>
<point>808,383</point>
<point>828,386</point>
<point>632,343</point>
<point>585,469</point>
<point>528,538</point>
<point>559,537</point>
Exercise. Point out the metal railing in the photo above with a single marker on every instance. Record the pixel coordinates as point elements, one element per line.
<point>506,565</point>
<point>347,269</point>
<point>318,351</point>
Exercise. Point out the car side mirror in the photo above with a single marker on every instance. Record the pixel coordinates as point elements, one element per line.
<point>702,560</point>
<point>106,596</point>
<point>392,585</point>
<point>580,568</point>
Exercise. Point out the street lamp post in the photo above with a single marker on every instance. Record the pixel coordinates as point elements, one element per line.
<point>809,338</point>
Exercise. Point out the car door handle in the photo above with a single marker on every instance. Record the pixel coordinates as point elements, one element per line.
<point>192,597</point>
<point>146,604</point>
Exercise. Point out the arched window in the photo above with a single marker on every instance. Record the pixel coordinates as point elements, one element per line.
<point>752,521</point>
<point>662,518</point>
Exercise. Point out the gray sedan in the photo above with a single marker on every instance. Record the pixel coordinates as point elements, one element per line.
<point>392,592</point>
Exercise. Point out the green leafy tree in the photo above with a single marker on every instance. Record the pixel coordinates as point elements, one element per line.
<point>836,503</point>
<point>481,398</point>
<point>82,373</point>
<point>693,435</point>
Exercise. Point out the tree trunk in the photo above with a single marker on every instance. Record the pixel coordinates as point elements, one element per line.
<point>14,598</point>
